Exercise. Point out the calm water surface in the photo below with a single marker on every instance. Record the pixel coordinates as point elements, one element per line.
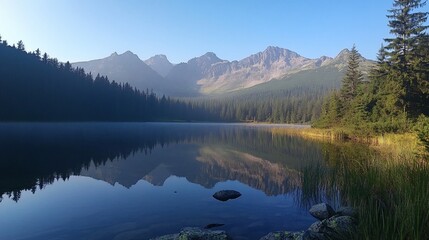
<point>141,180</point>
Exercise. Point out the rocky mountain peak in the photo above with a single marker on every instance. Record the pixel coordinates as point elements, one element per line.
<point>269,48</point>
<point>203,63</point>
<point>210,57</point>
<point>273,55</point>
<point>279,52</point>
<point>158,57</point>
<point>160,64</point>
<point>343,54</point>
<point>323,60</point>
<point>129,54</point>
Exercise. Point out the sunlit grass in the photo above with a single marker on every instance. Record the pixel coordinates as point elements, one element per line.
<point>392,197</point>
<point>388,182</point>
<point>395,147</point>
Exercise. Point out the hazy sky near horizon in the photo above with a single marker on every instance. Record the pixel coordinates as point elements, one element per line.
<point>79,30</point>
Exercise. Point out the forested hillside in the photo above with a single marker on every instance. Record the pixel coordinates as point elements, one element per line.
<point>294,98</point>
<point>396,96</point>
<point>35,87</point>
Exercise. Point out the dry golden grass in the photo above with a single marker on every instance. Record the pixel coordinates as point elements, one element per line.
<point>393,146</point>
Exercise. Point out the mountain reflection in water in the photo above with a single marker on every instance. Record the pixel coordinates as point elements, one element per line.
<point>205,166</point>
<point>33,155</point>
<point>141,180</point>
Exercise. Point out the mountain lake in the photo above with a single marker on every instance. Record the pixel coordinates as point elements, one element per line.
<point>143,180</point>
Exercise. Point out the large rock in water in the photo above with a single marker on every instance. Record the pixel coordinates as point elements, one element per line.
<point>195,234</point>
<point>225,195</point>
<point>340,225</point>
<point>322,211</point>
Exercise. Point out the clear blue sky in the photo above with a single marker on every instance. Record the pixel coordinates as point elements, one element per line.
<point>77,30</point>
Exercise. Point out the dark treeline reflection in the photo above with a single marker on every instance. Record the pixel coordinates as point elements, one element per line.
<point>33,155</point>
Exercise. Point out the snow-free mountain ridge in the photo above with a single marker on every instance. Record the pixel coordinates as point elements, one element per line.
<point>208,74</point>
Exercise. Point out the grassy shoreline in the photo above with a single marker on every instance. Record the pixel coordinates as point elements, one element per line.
<point>395,144</point>
<point>390,189</point>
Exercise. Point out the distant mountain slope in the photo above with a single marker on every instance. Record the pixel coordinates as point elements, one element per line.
<point>210,75</point>
<point>160,64</point>
<point>258,68</point>
<point>186,75</point>
<point>320,79</point>
<point>41,89</point>
<point>126,68</point>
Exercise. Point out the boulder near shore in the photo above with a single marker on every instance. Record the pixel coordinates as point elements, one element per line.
<point>331,225</point>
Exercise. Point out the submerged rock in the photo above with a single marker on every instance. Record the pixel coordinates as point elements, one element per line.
<point>195,234</point>
<point>226,195</point>
<point>283,235</point>
<point>213,225</point>
<point>322,211</point>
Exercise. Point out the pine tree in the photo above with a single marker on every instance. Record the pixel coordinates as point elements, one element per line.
<point>381,69</point>
<point>37,53</point>
<point>45,58</point>
<point>422,73</point>
<point>404,52</point>
<point>351,80</point>
<point>20,45</point>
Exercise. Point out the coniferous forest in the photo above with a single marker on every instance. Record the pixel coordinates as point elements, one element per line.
<point>396,97</point>
<point>36,87</point>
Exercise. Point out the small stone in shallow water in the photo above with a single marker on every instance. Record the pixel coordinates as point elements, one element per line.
<point>213,225</point>
<point>226,195</point>
<point>322,211</point>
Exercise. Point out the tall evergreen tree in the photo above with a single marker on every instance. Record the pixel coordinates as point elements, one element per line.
<point>381,68</point>
<point>351,80</point>
<point>20,45</point>
<point>404,52</point>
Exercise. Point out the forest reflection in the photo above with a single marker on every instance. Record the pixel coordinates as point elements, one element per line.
<point>34,155</point>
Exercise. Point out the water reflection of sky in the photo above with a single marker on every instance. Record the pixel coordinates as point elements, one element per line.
<point>84,208</point>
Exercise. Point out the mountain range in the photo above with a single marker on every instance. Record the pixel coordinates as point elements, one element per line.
<point>210,75</point>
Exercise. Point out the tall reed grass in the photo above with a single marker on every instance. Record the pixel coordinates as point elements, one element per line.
<point>386,180</point>
<point>391,195</point>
